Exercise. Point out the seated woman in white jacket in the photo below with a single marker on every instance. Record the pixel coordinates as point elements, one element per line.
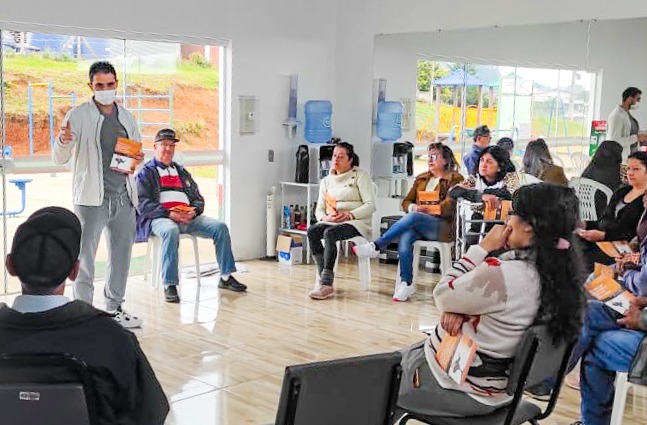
<point>344,210</point>
<point>495,300</point>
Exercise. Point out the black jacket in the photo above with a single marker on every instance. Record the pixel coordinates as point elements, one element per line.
<point>623,226</point>
<point>128,391</point>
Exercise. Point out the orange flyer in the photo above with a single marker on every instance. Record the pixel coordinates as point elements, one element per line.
<point>602,270</point>
<point>429,202</point>
<point>609,291</point>
<point>615,249</point>
<point>456,355</point>
<point>331,204</point>
<point>498,213</point>
<point>123,160</point>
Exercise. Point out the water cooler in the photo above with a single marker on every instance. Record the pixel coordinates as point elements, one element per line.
<point>392,159</point>
<point>320,161</point>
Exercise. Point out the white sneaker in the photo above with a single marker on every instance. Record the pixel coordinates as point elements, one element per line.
<point>126,319</point>
<point>403,291</point>
<point>366,250</point>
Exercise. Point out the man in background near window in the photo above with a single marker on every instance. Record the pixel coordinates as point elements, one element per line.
<point>482,140</point>
<point>44,254</point>
<point>170,204</point>
<point>622,127</point>
<point>104,199</point>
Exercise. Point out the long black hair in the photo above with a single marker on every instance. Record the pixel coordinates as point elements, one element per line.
<point>553,213</point>
<point>502,157</point>
<point>448,155</point>
<point>605,165</point>
<point>536,157</point>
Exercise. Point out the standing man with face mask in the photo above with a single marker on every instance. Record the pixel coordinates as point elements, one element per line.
<point>622,127</point>
<point>104,199</point>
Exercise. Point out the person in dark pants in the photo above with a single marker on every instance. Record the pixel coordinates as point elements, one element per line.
<point>344,210</point>
<point>44,254</point>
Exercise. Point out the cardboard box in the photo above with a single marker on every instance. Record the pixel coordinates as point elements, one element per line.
<point>290,249</point>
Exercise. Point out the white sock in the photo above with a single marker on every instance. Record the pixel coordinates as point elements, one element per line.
<point>225,277</point>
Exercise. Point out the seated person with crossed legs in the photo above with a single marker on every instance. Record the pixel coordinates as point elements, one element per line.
<point>170,204</point>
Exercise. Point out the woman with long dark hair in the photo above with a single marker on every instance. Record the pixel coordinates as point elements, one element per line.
<point>538,162</point>
<point>605,168</point>
<point>495,300</point>
<point>344,210</point>
<point>421,222</point>
<point>619,220</point>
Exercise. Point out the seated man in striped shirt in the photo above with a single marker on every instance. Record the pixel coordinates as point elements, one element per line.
<point>170,204</point>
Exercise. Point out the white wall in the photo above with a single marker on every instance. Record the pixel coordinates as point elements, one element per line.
<point>615,48</point>
<point>269,40</point>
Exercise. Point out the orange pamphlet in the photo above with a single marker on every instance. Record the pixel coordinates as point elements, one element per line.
<point>615,249</point>
<point>182,208</point>
<point>331,204</point>
<point>602,270</point>
<point>498,213</point>
<point>456,355</point>
<point>429,202</point>
<point>123,160</point>
<point>607,290</point>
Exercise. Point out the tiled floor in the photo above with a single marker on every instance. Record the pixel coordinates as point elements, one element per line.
<point>220,356</point>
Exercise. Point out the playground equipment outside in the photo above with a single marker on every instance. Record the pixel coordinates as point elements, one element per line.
<point>450,119</point>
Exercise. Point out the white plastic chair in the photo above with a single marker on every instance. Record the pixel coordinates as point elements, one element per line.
<point>622,387</point>
<point>585,189</point>
<point>154,247</point>
<point>444,249</point>
<point>580,161</point>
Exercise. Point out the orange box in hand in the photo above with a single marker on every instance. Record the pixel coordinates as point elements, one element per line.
<point>123,159</point>
<point>429,202</point>
<point>456,355</point>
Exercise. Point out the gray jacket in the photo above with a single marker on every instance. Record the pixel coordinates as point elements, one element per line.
<point>85,152</point>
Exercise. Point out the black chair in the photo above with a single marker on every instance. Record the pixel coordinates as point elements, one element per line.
<point>46,389</point>
<point>537,360</point>
<point>353,391</point>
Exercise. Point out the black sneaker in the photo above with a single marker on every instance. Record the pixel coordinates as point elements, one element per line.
<point>170,294</point>
<point>540,392</point>
<point>232,284</point>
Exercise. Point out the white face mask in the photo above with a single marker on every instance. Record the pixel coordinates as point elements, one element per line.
<point>636,106</point>
<point>105,97</point>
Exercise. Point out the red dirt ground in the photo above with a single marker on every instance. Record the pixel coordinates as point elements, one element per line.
<point>191,105</point>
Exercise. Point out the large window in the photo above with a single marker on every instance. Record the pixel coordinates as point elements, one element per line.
<point>517,102</point>
<point>163,84</point>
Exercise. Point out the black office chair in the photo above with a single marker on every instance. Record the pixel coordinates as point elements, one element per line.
<point>353,391</point>
<point>46,389</point>
<point>537,360</point>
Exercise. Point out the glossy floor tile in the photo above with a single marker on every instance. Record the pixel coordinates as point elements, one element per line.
<point>220,356</point>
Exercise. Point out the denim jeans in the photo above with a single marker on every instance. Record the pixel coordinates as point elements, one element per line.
<point>200,226</point>
<point>410,228</point>
<point>605,348</point>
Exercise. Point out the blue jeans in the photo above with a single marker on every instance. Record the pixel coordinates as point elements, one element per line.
<point>605,348</point>
<point>410,228</point>
<point>201,226</point>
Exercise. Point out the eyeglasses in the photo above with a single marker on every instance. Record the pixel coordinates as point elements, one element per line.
<point>433,156</point>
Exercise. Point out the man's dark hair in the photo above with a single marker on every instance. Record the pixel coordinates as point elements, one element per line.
<point>630,92</point>
<point>101,67</point>
<point>45,248</point>
<point>506,143</point>
<point>482,130</point>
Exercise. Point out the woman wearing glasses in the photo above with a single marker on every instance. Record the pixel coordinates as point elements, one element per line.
<point>421,222</point>
<point>344,210</point>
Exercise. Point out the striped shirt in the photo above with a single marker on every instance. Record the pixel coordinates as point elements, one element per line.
<point>171,190</point>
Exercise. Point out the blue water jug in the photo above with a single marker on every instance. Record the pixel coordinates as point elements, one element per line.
<point>389,120</point>
<point>318,118</point>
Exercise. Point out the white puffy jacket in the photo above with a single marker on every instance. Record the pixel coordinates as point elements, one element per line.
<point>85,123</point>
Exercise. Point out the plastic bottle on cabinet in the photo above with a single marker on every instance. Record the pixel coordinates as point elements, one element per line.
<point>318,128</point>
<point>389,121</point>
